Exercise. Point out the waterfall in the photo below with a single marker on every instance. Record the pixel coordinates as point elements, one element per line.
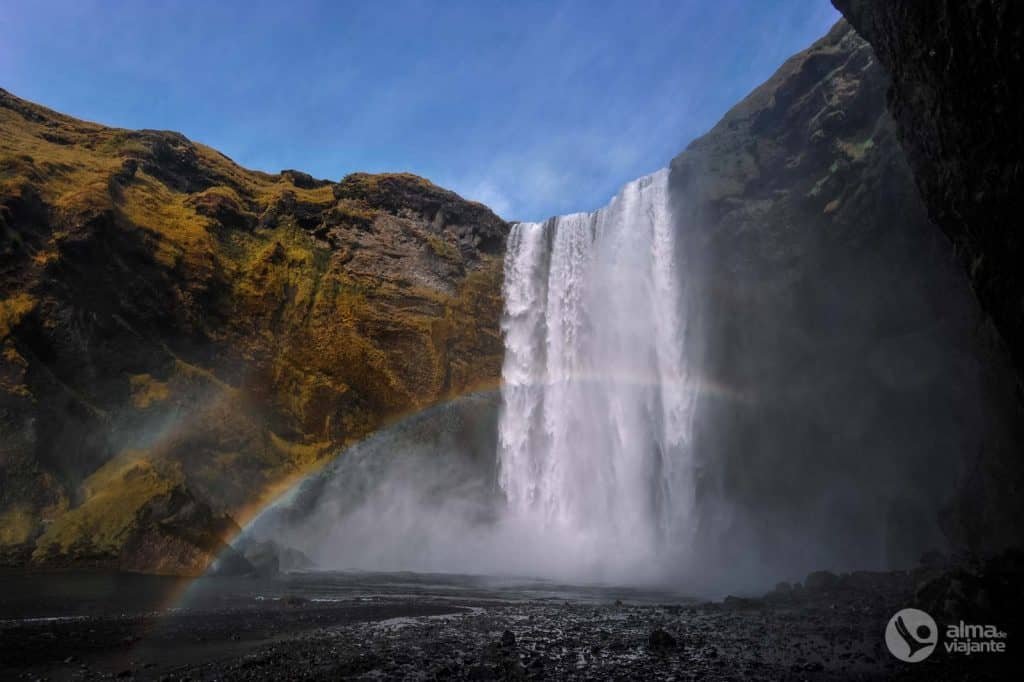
<point>595,457</point>
<point>597,401</point>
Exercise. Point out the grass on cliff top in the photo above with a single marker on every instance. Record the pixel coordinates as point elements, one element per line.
<point>370,183</point>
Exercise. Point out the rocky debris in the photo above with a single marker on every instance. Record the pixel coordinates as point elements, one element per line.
<point>976,590</point>
<point>833,638</point>
<point>499,661</point>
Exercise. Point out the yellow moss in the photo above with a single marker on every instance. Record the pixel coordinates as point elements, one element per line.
<point>13,310</point>
<point>120,142</point>
<point>12,376</point>
<point>194,372</point>
<point>355,210</point>
<point>114,495</point>
<point>328,354</point>
<point>300,455</point>
<point>367,183</point>
<point>856,150</point>
<point>17,526</point>
<point>149,204</point>
<point>146,390</point>
<point>44,258</point>
<point>443,248</point>
<point>271,192</point>
<point>221,191</point>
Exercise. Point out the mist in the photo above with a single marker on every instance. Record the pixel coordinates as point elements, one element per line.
<point>821,415</point>
<point>423,495</point>
<point>761,362</point>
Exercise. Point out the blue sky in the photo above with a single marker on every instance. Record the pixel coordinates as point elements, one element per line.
<point>535,108</point>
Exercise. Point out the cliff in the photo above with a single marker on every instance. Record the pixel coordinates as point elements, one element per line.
<point>182,337</point>
<point>857,411</point>
<point>954,72</point>
<point>956,68</point>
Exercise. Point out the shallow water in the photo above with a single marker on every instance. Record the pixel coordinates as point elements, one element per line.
<point>350,586</point>
<point>84,594</point>
<point>74,595</point>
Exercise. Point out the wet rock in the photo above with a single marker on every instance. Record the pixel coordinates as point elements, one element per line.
<point>660,641</point>
<point>230,562</point>
<point>508,639</point>
<point>264,559</point>
<point>981,591</point>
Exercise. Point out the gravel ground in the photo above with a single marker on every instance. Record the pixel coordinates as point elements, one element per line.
<point>829,630</point>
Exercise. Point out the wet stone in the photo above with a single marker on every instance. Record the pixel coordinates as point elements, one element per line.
<point>660,640</point>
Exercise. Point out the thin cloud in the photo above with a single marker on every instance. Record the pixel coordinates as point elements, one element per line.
<point>534,108</point>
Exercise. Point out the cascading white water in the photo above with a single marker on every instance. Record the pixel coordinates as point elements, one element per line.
<point>594,434</point>
<point>595,456</point>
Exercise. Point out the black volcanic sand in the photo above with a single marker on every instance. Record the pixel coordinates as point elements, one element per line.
<point>338,626</point>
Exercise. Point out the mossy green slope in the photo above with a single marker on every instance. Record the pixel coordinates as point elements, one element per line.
<point>181,337</point>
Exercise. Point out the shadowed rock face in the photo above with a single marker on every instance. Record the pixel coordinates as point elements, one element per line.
<point>956,67</point>
<point>180,336</point>
<point>955,70</point>
<point>854,398</point>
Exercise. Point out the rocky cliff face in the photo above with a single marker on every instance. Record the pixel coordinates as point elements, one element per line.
<point>182,337</point>
<point>956,67</point>
<point>955,70</point>
<point>851,395</point>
